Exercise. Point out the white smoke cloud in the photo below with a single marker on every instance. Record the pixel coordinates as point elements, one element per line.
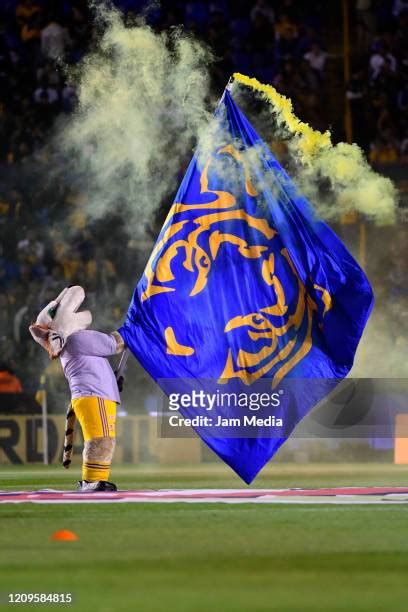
<point>143,102</point>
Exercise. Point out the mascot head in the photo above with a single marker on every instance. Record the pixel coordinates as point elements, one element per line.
<point>59,319</point>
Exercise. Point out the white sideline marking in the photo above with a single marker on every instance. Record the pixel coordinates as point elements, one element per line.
<point>332,496</point>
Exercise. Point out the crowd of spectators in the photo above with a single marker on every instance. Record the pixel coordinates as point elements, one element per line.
<point>39,216</point>
<point>378,89</point>
<point>284,42</point>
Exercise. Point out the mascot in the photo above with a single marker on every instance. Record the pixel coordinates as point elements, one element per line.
<point>62,331</point>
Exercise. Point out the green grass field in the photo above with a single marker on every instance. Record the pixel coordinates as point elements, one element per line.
<point>209,557</point>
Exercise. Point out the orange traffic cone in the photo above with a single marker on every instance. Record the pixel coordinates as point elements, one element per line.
<point>64,535</point>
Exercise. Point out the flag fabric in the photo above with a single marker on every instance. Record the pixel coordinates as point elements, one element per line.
<point>245,284</point>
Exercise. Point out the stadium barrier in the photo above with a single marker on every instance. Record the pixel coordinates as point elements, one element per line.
<point>21,441</point>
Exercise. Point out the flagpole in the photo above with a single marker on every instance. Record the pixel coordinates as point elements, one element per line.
<point>122,363</point>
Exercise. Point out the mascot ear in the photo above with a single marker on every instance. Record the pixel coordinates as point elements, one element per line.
<point>71,298</point>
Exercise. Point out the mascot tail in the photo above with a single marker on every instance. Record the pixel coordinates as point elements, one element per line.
<point>69,437</point>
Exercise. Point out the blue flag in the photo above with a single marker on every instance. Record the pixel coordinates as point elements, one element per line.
<point>245,284</point>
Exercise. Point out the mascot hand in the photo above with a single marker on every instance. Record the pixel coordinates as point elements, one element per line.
<point>67,320</point>
<point>120,381</point>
